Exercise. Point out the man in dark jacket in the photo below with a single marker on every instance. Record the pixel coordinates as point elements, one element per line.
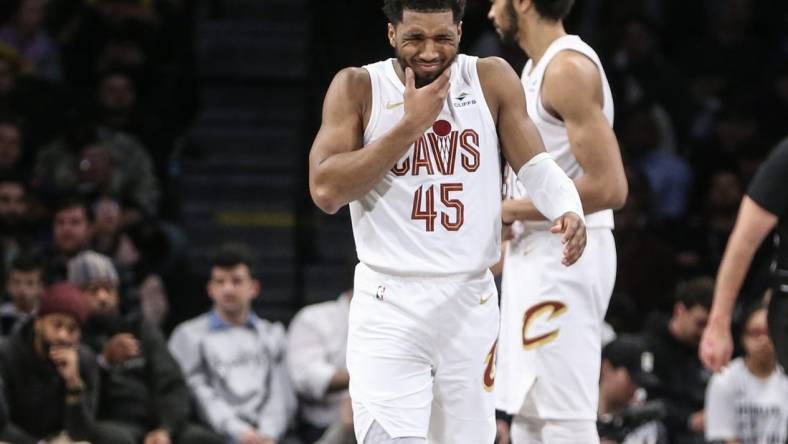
<point>674,342</point>
<point>144,397</point>
<point>49,382</point>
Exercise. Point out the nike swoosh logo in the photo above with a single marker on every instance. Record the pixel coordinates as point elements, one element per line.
<point>394,105</point>
<point>483,301</point>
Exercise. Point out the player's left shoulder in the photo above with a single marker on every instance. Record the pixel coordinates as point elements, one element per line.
<point>572,84</point>
<point>496,76</point>
<point>572,69</point>
<point>490,67</point>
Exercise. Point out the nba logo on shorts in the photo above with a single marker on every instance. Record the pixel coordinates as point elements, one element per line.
<point>381,291</point>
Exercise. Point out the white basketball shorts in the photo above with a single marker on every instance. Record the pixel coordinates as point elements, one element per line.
<point>421,356</point>
<point>551,320</point>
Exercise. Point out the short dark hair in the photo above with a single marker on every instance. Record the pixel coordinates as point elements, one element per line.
<point>393,8</point>
<point>26,262</point>
<point>554,9</point>
<point>751,309</point>
<point>69,202</point>
<point>231,255</point>
<point>698,291</point>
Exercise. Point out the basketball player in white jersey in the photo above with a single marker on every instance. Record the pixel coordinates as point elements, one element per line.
<point>412,144</point>
<point>550,342</point>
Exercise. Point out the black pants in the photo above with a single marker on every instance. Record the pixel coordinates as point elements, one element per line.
<point>778,322</point>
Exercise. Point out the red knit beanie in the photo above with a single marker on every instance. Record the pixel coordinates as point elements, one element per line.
<point>64,298</point>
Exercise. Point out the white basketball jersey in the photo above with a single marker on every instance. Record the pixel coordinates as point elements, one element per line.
<point>437,211</point>
<point>553,130</point>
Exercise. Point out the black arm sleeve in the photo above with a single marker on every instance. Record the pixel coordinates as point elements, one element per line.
<point>769,187</point>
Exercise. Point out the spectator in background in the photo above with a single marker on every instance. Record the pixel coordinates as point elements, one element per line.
<point>117,103</point>
<point>722,199</point>
<point>316,355</point>
<point>29,37</point>
<point>39,104</point>
<point>15,226</point>
<point>627,367</point>
<point>111,239</point>
<point>13,207</point>
<point>9,70</point>
<point>674,342</point>
<point>89,164</point>
<point>72,230</point>
<point>234,362</point>
<point>748,401</point>
<point>154,305</point>
<point>24,286</point>
<point>11,152</point>
<point>50,381</point>
<point>143,396</point>
<point>108,236</point>
<point>119,110</point>
<point>642,281</point>
<point>704,236</point>
<point>639,69</point>
<point>646,138</point>
<point>733,129</point>
<point>142,252</point>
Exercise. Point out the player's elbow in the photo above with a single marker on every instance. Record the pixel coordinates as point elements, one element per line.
<point>617,195</point>
<point>326,198</point>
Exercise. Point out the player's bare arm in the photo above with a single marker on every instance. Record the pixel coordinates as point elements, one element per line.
<point>572,92</point>
<point>753,224</point>
<point>521,145</point>
<point>339,170</point>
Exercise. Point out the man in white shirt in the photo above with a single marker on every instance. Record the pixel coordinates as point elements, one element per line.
<point>316,355</point>
<point>748,401</point>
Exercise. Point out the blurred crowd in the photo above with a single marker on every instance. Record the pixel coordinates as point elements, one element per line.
<point>95,96</point>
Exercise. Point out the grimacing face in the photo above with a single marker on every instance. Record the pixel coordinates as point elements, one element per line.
<point>427,42</point>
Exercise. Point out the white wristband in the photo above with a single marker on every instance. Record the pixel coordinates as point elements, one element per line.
<point>551,190</point>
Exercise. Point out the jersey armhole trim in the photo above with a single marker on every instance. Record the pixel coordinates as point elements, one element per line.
<point>374,112</point>
<point>543,114</point>
<point>476,80</point>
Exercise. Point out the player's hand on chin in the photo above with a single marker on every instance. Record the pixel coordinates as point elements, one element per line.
<point>424,105</point>
<point>573,231</point>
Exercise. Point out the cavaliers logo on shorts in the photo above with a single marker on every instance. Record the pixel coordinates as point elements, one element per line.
<point>489,371</point>
<point>553,309</point>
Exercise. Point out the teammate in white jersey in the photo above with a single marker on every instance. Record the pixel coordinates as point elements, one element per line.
<point>550,342</point>
<point>412,144</point>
